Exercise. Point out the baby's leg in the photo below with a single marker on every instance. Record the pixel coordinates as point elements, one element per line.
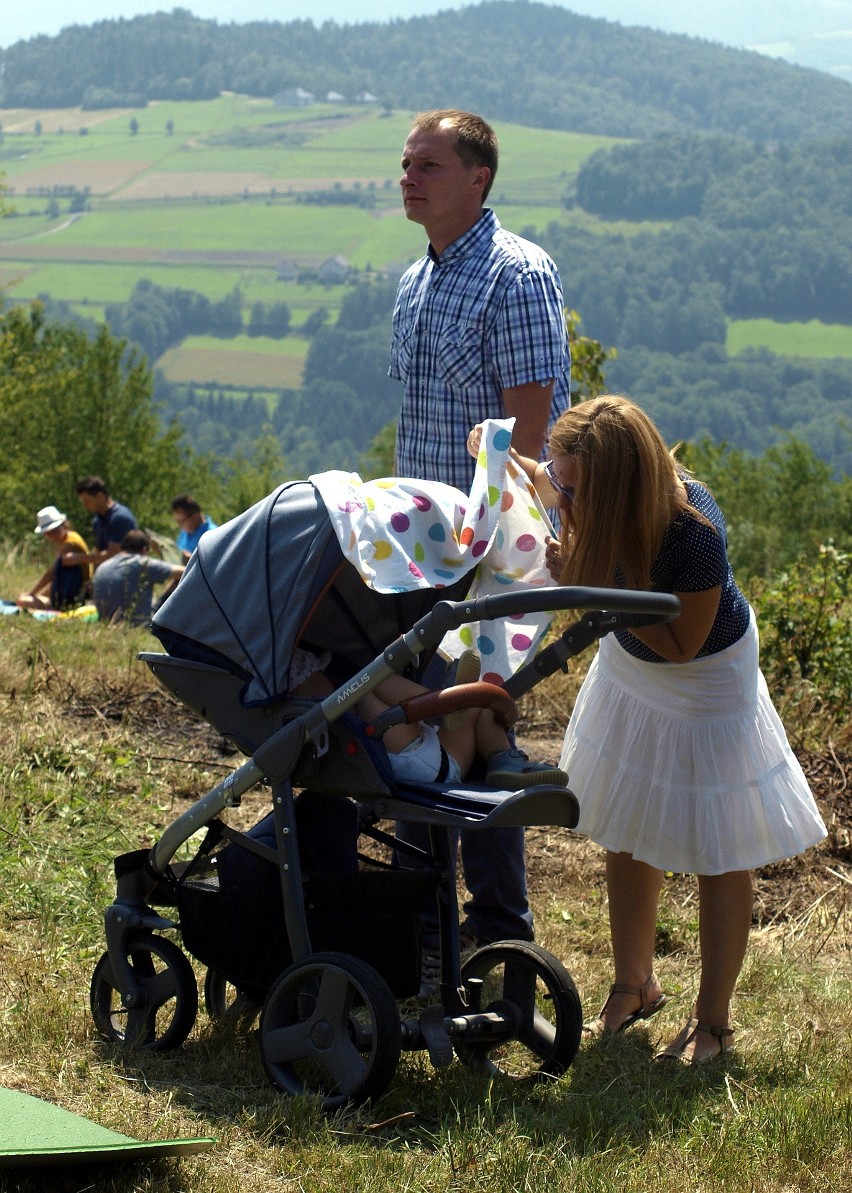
<point>371,705</point>
<point>478,733</point>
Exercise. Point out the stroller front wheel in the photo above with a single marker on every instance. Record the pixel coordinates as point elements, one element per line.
<point>523,980</point>
<point>167,1009</point>
<point>330,1027</point>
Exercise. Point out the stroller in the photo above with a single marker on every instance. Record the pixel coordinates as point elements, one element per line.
<point>288,915</point>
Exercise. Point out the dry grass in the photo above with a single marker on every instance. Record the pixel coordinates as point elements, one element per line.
<point>94,760</point>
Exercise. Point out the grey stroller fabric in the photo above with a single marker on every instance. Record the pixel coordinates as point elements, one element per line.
<point>272,577</point>
<point>230,596</point>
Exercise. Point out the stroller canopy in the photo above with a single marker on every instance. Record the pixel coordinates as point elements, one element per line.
<point>346,566</point>
<point>272,577</point>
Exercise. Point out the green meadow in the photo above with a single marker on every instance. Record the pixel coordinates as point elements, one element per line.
<point>812,339</point>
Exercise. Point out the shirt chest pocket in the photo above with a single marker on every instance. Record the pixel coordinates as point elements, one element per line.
<point>401,351</point>
<point>461,357</point>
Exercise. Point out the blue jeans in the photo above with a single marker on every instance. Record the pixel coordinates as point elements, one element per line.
<point>495,875</point>
<point>493,862</point>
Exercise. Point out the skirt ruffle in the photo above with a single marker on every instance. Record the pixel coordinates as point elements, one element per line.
<point>687,766</point>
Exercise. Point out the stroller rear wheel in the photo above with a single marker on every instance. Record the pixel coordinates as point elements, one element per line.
<point>169,1003</point>
<point>225,1002</point>
<point>330,1027</point>
<point>524,980</point>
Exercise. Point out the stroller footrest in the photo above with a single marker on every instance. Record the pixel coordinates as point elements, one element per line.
<point>476,807</point>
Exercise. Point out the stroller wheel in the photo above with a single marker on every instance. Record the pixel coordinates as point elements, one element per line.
<point>224,1001</point>
<point>330,1027</point>
<point>523,981</point>
<point>169,1004</point>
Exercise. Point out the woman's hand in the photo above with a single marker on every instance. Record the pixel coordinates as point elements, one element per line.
<point>474,441</point>
<point>553,557</point>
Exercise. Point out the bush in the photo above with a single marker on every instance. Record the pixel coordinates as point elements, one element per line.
<point>805,620</point>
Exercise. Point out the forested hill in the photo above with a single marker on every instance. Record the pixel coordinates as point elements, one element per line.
<point>524,62</point>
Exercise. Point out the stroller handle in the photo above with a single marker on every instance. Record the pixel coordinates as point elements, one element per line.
<point>637,608</point>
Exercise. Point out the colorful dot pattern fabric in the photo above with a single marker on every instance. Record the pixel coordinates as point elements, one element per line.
<point>403,534</point>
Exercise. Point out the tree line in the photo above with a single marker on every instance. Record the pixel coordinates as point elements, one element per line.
<point>728,181</point>
<point>157,317</point>
<point>72,405</point>
<point>567,71</point>
<point>670,357</point>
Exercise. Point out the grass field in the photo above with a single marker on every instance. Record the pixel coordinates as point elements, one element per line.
<point>96,760</point>
<point>812,339</point>
<point>341,148</point>
<point>243,361</point>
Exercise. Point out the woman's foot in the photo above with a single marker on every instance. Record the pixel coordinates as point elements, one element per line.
<point>698,1043</point>
<point>626,1005</point>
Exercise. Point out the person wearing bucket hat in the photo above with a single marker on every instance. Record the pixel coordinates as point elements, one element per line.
<point>64,582</point>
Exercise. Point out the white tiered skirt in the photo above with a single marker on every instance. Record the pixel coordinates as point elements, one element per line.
<point>686,766</point>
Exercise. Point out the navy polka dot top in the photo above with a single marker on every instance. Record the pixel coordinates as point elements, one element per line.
<point>693,558</point>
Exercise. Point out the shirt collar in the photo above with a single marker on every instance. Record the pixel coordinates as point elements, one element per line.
<point>469,242</point>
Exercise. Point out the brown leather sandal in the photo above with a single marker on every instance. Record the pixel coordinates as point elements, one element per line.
<point>597,1027</point>
<point>675,1050</point>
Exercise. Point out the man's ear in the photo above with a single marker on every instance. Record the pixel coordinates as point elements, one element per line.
<point>482,177</point>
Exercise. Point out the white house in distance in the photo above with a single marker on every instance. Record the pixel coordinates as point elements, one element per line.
<point>335,269</point>
<point>294,97</point>
<point>287,272</point>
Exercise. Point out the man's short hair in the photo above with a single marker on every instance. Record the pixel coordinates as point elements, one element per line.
<point>188,504</point>
<point>136,542</point>
<point>476,141</point>
<point>91,485</point>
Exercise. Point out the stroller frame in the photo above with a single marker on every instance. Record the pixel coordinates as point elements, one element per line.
<point>330,1023</point>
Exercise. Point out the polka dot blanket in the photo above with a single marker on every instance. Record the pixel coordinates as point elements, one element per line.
<point>403,534</point>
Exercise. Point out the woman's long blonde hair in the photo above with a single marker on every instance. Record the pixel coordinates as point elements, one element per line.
<point>628,492</point>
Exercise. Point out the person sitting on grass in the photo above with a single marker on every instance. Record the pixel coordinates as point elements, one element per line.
<point>124,583</point>
<point>63,585</point>
<point>110,519</point>
<point>192,523</point>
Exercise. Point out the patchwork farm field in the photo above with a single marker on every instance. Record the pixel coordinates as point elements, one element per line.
<point>210,196</point>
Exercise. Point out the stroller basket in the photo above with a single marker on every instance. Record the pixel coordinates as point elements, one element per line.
<point>238,927</point>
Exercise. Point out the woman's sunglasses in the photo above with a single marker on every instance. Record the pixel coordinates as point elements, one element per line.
<point>565,490</point>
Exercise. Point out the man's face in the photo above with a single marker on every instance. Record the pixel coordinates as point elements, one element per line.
<point>438,190</point>
<point>185,521</point>
<point>90,502</point>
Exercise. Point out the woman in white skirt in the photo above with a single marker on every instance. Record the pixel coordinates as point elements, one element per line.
<point>674,748</point>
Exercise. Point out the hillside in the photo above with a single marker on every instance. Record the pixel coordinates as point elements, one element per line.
<point>204,230</point>
<point>201,230</point>
<point>529,63</point>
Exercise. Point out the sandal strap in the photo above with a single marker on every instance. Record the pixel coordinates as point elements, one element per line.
<point>722,1034</point>
<point>640,992</point>
<point>692,1026</point>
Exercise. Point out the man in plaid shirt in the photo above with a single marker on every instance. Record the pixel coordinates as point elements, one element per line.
<point>478,332</point>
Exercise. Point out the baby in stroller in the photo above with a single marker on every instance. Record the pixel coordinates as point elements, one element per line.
<point>421,752</point>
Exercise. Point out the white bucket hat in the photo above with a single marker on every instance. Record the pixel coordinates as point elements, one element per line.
<point>50,518</point>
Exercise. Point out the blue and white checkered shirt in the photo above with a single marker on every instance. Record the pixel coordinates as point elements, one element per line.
<point>485,316</point>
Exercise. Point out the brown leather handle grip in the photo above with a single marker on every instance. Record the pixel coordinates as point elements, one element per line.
<point>466,695</point>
